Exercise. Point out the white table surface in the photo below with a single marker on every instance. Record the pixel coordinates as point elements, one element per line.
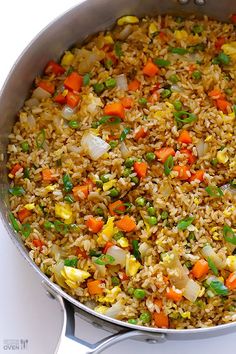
<point>27,315</point>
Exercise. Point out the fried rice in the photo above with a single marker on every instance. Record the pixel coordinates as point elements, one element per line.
<point>116,167</point>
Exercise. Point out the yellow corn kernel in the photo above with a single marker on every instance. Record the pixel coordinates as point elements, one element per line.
<point>231,263</point>
<point>215,236</point>
<point>196,201</point>
<point>221,279</point>
<point>67,59</point>
<point>30,206</point>
<point>50,188</point>
<point>132,265</point>
<point>123,242</point>
<point>152,29</point>
<point>127,19</point>
<point>181,35</point>
<point>222,156</point>
<point>209,138</point>
<point>108,185</point>
<point>101,309</point>
<point>186,314</point>
<point>228,211</point>
<point>213,229</point>
<point>108,39</point>
<point>10,175</point>
<point>63,211</point>
<point>65,92</point>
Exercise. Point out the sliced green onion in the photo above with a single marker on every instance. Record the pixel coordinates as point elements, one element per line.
<point>105,259</point>
<point>218,288</point>
<point>95,253</point>
<point>117,49</point>
<point>71,262</point>
<point>168,165</point>
<point>69,198</point>
<point>118,235</point>
<point>115,281</point>
<point>40,139</point>
<point>233,183</point>
<point>61,227</point>
<point>69,70</point>
<point>48,225</point>
<point>196,75</point>
<point>14,222</point>
<point>113,144</point>
<point>86,79</point>
<point>112,120</point>
<point>224,58</point>
<point>136,252</point>
<point>17,191</point>
<point>183,224</point>
<point>73,124</point>
<point>127,208</point>
<point>177,105</point>
<point>184,117</point>
<point>27,172</point>
<point>68,185</point>
<point>166,93</point>
<point>162,62</point>
<point>212,266</point>
<point>26,230</point>
<point>124,134</point>
<point>214,191</point>
<point>229,234</point>
<point>180,51</point>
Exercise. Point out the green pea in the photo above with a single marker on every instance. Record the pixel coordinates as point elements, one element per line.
<point>135,180</point>
<point>197,29</point>
<point>140,201</point>
<point>129,162</point>
<point>110,83</point>
<point>164,215</point>
<point>99,183</point>
<point>151,211</point>
<point>99,211</point>
<point>152,220</point>
<point>228,91</point>
<point>130,291</point>
<point>48,225</point>
<point>25,146</point>
<point>113,144</point>
<point>98,87</point>
<point>127,172</point>
<point>142,101</point>
<point>214,162</point>
<point>73,124</point>
<point>115,281</point>
<point>166,93</point>
<point>196,75</point>
<point>150,156</point>
<point>132,321</point>
<point>104,178</point>
<point>139,294</point>
<point>174,78</point>
<point>69,198</point>
<point>118,235</point>
<point>114,193</point>
<point>145,317</point>
<point>86,79</point>
<point>177,105</point>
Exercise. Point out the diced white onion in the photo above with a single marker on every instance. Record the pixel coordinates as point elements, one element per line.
<point>115,310</point>
<point>208,252</point>
<point>31,121</point>
<point>124,150</point>
<point>125,32</point>
<point>32,102</point>
<point>176,88</point>
<point>144,248</point>
<point>121,82</point>
<point>177,274</point>
<point>94,146</point>
<point>40,93</point>
<point>67,112</point>
<point>191,290</point>
<point>201,147</point>
<point>57,273</point>
<point>118,254</point>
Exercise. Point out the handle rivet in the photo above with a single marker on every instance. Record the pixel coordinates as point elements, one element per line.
<point>183,2</point>
<point>151,341</point>
<point>200,2</point>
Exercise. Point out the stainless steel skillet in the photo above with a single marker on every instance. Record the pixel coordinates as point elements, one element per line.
<point>74,26</point>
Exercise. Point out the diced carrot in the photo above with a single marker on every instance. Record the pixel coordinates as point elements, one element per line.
<point>233,19</point>
<point>23,214</point>
<point>115,109</point>
<point>88,182</point>
<point>163,153</point>
<point>165,279</point>
<point>141,133</point>
<point>81,253</point>
<point>163,36</point>
<point>219,42</point>
<point>185,137</point>
<point>141,169</point>
<point>72,99</point>
<point>134,85</point>
<point>173,294</point>
<point>198,175</point>
<point>94,225</point>
<point>123,276</point>
<point>94,287</point>
<point>126,224</point>
<point>116,206</point>
<point>107,48</point>
<point>215,94</point>
<point>73,81</point>
<point>158,302</point>
<point>15,169</point>
<point>191,158</point>
<point>127,102</point>
<point>150,69</point>
<point>200,269</point>
<point>60,98</point>
<point>47,175</point>
<point>53,68</point>
<point>183,172</point>
<point>107,246</point>
<point>161,320</point>
<point>38,243</point>
<point>231,281</point>
<point>82,189</point>
<point>222,105</point>
<point>47,86</point>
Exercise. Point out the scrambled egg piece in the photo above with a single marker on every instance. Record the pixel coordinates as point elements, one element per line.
<point>50,188</point>
<point>111,295</point>
<point>230,49</point>
<point>180,35</point>
<point>152,29</point>
<point>132,265</point>
<point>108,185</point>
<point>30,206</point>
<point>67,59</point>
<point>208,138</point>
<point>64,212</point>
<point>73,276</point>
<point>222,156</point>
<point>231,263</point>
<point>101,309</point>
<point>127,19</point>
<point>186,314</point>
<point>108,40</point>
<point>228,211</point>
<point>123,242</point>
<point>107,232</point>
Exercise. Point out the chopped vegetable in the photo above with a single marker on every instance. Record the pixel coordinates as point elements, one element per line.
<point>229,234</point>
<point>23,214</point>
<point>40,139</point>
<point>212,266</point>
<point>145,317</point>
<point>208,252</point>
<point>124,134</point>
<point>72,99</point>
<point>127,19</point>
<point>160,319</point>
<point>26,230</point>
<point>25,146</point>
<point>218,288</point>
<point>150,156</point>
<point>214,191</point>
<point>116,207</point>
<point>136,252</point>
<point>72,262</point>
<point>80,191</point>
<point>110,83</point>
<point>118,49</point>
<point>105,259</point>
<point>183,172</point>
<point>168,165</point>
<point>53,68</point>
<point>47,86</point>
<point>86,79</point>
<point>163,153</point>
<point>141,133</point>
<point>183,224</point>
<point>126,224</point>
<point>134,85</point>
<point>73,124</point>
<point>94,287</point>
<point>180,51</point>
<point>47,175</point>
<point>200,269</point>
<point>73,81</point>
<point>150,69</point>
<point>191,158</point>
<point>139,294</point>
<point>16,191</point>
<point>162,63</point>
<point>197,176</point>
<point>185,137</point>
<point>94,146</point>
<point>38,243</point>
<point>231,281</point>
<point>174,294</point>
<point>14,222</point>
<point>184,117</point>
<point>94,225</point>
<point>196,75</point>
<point>99,87</point>
<point>127,102</point>
<point>129,162</point>
<point>115,109</point>
<point>141,169</point>
<point>177,105</point>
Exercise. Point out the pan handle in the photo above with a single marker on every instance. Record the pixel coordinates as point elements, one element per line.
<point>68,343</point>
